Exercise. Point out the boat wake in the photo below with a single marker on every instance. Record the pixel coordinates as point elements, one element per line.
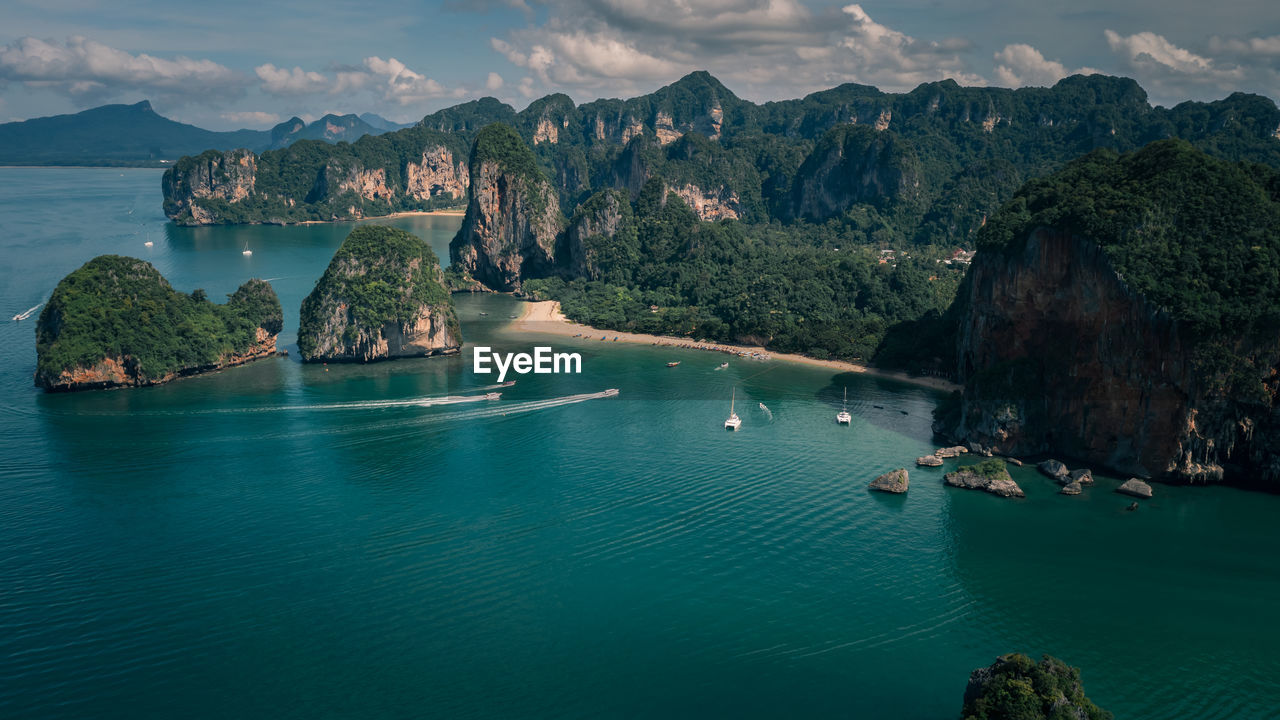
<point>766,412</point>
<point>27,314</point>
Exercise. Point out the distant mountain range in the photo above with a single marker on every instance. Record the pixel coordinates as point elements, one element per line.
<point>136,135</point>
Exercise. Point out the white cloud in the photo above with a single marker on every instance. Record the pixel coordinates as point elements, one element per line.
<point>400,84</point>
<point>251,118</point>
<point>280,81</point>
<point>493,82</point>
<point>1258,47</point>
<point>893,60</point>
<point>1019,65</point>
<point>84,68</point>
<point>1172,73</point>
<point>762,48</point>
<point>1146,49</point>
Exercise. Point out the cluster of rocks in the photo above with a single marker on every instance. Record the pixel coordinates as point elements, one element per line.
<point>1073,481</point>
<point>935,460</point>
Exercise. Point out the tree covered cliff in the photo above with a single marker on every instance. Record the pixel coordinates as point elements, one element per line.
<point>1126,311</point>
<point>923,167</point>
<point>117,321</point>
<point>382,296</point>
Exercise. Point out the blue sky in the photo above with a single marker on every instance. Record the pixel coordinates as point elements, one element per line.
<point>235,63</point>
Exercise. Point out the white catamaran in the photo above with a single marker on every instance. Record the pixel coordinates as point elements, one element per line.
<point>733,422</point>
<point>843,417</point>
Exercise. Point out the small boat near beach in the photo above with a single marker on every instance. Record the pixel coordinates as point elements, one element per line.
<point>733,422</point>
<point>723,365</point>
<point>843,417</point>
<point>246,250</point>
<point>673,363</point>
<point>492,396</point>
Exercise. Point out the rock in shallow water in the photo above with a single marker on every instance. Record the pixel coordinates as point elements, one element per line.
<point>1135,487</point>
<point>989,475</point>
<point>1072,488</point>
<point>1054,470</point>
<point>894,481</point>
<point>1084,476</point>
<point>929,461</point>
<point>950,452</point>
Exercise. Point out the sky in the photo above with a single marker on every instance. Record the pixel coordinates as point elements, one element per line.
<point>253,63</point>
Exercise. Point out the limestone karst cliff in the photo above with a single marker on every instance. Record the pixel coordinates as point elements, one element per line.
<point>1125,312</point>
<point>381,297</point>
<point>116,322</point>
<point>513,218</point>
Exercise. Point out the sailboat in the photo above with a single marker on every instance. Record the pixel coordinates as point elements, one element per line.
<point>733,422</point>
<point>843,417</point>
<point>246,250</point>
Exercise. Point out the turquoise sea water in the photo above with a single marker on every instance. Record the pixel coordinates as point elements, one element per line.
<point>281,540</point>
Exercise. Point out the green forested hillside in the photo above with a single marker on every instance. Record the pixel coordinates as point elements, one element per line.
<point>121,307</point>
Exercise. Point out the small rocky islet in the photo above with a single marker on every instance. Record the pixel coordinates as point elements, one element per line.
<point>116,322</point>
<point>383,296</point>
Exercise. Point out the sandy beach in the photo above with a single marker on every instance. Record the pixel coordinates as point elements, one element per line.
<point>545,318</point>
<point>406,213</point>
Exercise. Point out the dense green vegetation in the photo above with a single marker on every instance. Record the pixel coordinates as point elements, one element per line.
<point>1018,688</point>
<point>499,143</point>
<point>818,291</point>
<point>990,468</point>
<point>383,275</point>
<point>1196,235</point>
<point>966,150</point>
<point>121,307</point>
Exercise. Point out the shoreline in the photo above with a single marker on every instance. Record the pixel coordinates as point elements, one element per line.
<point>389,216</point>
<point>544,317</point>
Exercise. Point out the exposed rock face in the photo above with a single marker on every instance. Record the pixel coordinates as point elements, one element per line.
<point>995,482</point>
<point>850,165</point>
<point>719,204</point>
<point>1072,488</point>
<point>513,216</point>
<point>950,452</point>
<point>929,461</point>
<point>223,176</point>
<point>338,178</point>
<point>97,329</point>
<point>894,481</point>
<point>437,175</point>
<point>1122,392</point>
<point>600,232</point>
<point>1135,487</point>
<point>381,297</point>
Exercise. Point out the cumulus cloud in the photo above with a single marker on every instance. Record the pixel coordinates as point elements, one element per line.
<point>493,82</point>
<point>251,118</point>
<point>1255,47</point>
<point>279,81</point>
<point>86,69</point>
<point>1172,73</point>
<point>894,60</point>
<point>764,48</point>
<point>400,84</point>
<point>1019,64</point>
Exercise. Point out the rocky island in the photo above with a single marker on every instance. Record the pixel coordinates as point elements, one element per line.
<point>382,296</point>
<point>1015,687</point>
<point>116,322</point>
<point>1124,312</point>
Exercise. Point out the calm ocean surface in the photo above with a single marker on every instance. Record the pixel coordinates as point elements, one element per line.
<point>281,541</point>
